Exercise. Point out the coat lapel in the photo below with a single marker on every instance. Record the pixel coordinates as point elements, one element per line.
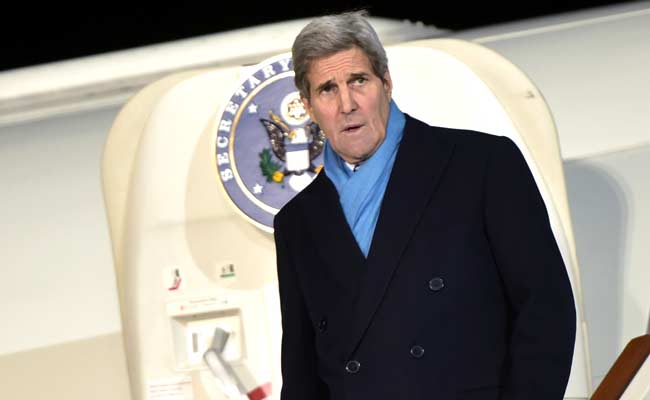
<point>420,162</point>
<point>334,239</point>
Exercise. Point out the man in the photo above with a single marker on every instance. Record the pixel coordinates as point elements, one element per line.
<point>429,273</point>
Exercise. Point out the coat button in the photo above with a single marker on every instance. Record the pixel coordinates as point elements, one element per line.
<point>417,351</point>
<point>322,325</point>
<point>352,366</point>
<point>436,284</point>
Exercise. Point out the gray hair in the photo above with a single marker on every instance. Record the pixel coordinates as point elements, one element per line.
<point>330,34</point>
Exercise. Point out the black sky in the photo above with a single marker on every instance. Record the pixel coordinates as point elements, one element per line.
<point>35,33</point>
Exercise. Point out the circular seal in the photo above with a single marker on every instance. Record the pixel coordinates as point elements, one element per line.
<point>267,148</point>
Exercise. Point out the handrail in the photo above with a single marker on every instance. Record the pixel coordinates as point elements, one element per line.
<point>624,370</point>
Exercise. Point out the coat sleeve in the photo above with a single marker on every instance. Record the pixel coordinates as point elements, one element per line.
<point>543,321</point>
<point>299,364</point>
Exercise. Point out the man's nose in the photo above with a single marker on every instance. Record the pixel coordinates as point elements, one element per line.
<point>348,104</point>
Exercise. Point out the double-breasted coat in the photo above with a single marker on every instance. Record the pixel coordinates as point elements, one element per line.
<point>463,294</point>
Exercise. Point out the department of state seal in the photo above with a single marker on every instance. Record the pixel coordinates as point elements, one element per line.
<point>267,148</point>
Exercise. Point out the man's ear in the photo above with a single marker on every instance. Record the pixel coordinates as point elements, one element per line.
<point>308,108</point>
<point>388,83</point>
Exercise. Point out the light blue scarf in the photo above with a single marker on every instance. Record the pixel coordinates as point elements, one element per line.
<point>361,192</point>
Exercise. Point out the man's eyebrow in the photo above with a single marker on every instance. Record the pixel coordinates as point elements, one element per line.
<point>324,85</point>
<point>353,76</point>
<point>357,75</point>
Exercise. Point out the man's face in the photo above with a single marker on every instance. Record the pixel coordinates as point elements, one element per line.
<point>349,102</point>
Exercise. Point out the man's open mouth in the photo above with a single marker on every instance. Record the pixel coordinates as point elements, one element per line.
<point>351,128</point>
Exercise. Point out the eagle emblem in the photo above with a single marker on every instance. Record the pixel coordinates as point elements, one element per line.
<point>295,147</point>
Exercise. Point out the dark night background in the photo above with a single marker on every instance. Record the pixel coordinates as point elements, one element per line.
<point>38,33</point>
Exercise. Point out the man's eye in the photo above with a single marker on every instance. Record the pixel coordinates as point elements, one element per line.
<point>360,80</point>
